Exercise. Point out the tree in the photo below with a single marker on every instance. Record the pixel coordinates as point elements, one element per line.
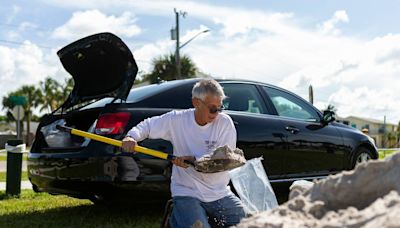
<point>164,68</point>
<point>53,93</point>
<point>331,107</point>
<point>398,135</point>
<point>67,88</point>
<point>3,118</point>
<point>49,96</point>
<point>33,99</point>
<point>9,105</point>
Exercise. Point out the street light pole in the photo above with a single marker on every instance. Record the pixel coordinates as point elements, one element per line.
<point>177,56</point>
<point>204,31</point>
<point>175,36</point>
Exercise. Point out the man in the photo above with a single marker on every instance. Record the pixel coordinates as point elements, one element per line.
<point>198,197</point>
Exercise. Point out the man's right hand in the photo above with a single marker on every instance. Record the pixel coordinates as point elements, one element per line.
<point>128,144</point>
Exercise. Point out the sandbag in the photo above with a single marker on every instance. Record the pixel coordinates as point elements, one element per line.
<point>252,185</point>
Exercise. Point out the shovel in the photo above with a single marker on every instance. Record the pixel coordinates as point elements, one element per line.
<point>203,165</point>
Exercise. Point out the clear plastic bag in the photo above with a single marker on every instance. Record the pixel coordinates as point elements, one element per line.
<point>55,137</point>
<point>253,187</point>
<point>90,130</point>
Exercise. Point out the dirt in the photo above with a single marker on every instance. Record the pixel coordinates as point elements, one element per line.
<point>221,159</point>
<point>365,197</point>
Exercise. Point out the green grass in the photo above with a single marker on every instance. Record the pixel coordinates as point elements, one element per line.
<point>385,153</point>
<point>44,210</point>
<point>24,176</point>
<point>3,156</point>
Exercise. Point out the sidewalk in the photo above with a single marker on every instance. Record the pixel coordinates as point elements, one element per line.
<point>24,185</point>
<point>3,166</point>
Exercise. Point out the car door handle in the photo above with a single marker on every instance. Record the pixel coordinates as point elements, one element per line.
<point>292,130</point>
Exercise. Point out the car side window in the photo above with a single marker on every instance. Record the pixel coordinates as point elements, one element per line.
<point>290,106</point>
<point>243,98</point>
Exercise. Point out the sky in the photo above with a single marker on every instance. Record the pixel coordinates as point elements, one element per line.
<point>349,51</point>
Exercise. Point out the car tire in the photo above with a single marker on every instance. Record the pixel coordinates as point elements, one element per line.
<point>99,200</point>
<point>362,155</point>
<point>35,188</point>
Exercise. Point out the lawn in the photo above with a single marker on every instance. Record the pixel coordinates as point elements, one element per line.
<point>385,153</point>
<point>3,156</point>
<point>24,176</point>
<point>43,210</point>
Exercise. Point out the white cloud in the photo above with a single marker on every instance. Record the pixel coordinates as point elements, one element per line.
<point>15,34</point>
<point>358,75</point>
<point>146,53</point>
<point>26,25</point>
<point>83,23</point>
<point>25,65</point>
<point>14,12</point>
<point>198,34</point>
<point>234,20</point>
<point>366,102</point>
<point>329,26</point>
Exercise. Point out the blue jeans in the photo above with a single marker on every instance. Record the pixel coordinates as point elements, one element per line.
<point>224,212</point>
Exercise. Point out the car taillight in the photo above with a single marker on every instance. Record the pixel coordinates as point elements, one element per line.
<point>112,123</point>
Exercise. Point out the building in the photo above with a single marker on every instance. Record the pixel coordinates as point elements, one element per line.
<point>384,134</point>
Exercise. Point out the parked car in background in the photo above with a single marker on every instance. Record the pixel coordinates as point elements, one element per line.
<point>296,140</point>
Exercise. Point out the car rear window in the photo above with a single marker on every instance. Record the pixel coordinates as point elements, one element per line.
<point>136,94</point>
<point>139,93</point>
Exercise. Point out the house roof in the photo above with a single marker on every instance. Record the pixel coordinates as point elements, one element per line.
<point>368,120</point>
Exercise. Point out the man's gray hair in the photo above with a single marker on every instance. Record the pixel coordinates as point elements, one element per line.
<point>207,87</point>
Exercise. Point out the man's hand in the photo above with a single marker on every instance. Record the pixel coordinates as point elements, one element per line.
<point>128,144</point>
<point>179,161</point>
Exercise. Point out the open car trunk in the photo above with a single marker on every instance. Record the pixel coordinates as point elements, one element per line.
<point>51,140</point>
<point>101,66</point>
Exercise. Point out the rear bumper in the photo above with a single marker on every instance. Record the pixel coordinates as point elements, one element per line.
<point>83,175</point>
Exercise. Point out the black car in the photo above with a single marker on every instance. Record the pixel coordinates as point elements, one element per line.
<point>296,140</point>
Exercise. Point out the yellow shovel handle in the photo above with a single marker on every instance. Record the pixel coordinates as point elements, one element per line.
<point>115,142</point>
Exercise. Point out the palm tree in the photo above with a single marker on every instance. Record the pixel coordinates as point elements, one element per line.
<point>164,68</point>
<point>8,104</point>
<point>34,97</point>
<point>52,94</point>
<point>69,85</point>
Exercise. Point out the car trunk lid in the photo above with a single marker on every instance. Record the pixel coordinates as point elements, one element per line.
<point>101,66</point>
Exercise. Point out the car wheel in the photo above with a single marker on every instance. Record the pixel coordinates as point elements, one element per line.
<point>35,188</point>
<point>99,200</point>
<point>362,155</point>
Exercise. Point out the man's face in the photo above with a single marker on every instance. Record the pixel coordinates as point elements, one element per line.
<point>208,109</point>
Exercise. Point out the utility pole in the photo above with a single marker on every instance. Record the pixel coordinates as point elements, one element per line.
<point>177,57</point>
<point>176,31</point>
<point>311,94</point>
<point>175,36</point>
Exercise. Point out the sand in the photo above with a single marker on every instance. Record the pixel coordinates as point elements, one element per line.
<point>365,197</point>
<point>221,159</point>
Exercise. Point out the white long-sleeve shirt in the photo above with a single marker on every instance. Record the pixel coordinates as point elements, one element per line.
<point>190,139</point>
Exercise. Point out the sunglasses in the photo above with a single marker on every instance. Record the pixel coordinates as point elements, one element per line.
<point>213,110</point>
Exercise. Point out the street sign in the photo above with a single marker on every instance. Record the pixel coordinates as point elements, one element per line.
<point>18,100</point>
<point>18,112</point>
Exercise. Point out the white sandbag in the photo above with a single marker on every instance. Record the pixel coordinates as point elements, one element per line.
<point>55,137</point>
<point>253,187</point>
